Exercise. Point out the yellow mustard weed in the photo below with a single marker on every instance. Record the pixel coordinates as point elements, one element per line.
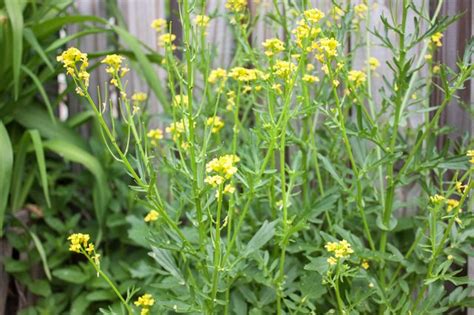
<point>176,129</point>
<point>361,9</point>
<point>327,47</point>
<point>180,100</point>
<point>436,69</point>
<point>335,83</point>
<point>224,165</point>
<point>273,46</point>
<point>276,87</point>
<point>243,74</point>
<point>166,40</point>
<point>236,6</point>
<point>356,77</point>
<point>155,135</point>
<point>470,154</point>
<point>216,123</point>
<point>217,74</point>
<point>437,199</point>
<point>373,63</point>
<point>310,78</point>
<point>340,249</point>
<point>158,24</point>
<point>365,264</point>
<point>336,13</point>
<point>139,97</point>
<point>460,188</point>
<point>436,39</point>
<point>214,180</point>
<point>202,20</point>
<point>284,69</point>
<point>146,301</point>
<point>114,62</point>
<point>151,216</point>
<point>313,15</point>
<point>332,261</point>
<point>78,241</point>
<point>452,204</point>
<point>70,59</point>
<point>304,32</point>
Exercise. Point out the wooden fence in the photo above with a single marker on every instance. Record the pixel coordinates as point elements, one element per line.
<point>138,15</point>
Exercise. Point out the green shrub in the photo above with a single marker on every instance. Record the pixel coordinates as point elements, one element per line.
<point>274,188</point>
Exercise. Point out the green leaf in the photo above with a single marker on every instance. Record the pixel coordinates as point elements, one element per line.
<point>53,25</point>
<point>42,92</point>
<point>164,258</point>
<point>74,153</point>
<point>263,235</point>
<point>71,274</point>
<point>328,167</point>
<point>15,15</point>
<point>40,287</point>
<point>6,166</point>
<point>41,252</point>
<point>31,39</point>
<point>80,304</point>
<point>38,146</point>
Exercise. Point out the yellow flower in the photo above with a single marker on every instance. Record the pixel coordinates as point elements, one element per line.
<point>304,32</point>
<point>365,264</point>
<point>243,74</point>
<point>340,249</point>
<point>327,47</point>
<point>180,100</point>
<point>70,58</point>
<point>176,129</point>
<point>460,188</point>
<point>284,69</point>
<point>236,6</point>
<point>201,20</point>
<point>78,241</point>
<point>216,123</point>
<point>114,62</point>
<point>310,78</point>
<point>470,153</point>
<point>224,165</point>
<point>151,216</point>
<point>158,24</point>
<point>139,97</point>
<point>436,69</point>
<point>217,74</point>
<point>214,180</point>
<point>428,57</point>
<point>436,39</point>
<point>166,40</point>
<point>313,15</point>
<point>273,46</point>
<point>361,10</point>
<point>437,199</point>
<point>373,63</point>
<point>357,77</point>
<point>155,135</point>
<point>452,204</point>
<point>332,261</point>
<point>277,88</point>
<point>335,83</point>
<point>337,12</point>
<point>145,302</point>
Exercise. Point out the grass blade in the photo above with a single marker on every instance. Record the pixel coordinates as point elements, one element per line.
<point>41,90</point>
<point>31,39</point>
<point>38,146</point>
<point>6,165</point>
<point>15,15</point>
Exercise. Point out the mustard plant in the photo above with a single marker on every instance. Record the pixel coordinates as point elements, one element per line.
<point>275,185</point>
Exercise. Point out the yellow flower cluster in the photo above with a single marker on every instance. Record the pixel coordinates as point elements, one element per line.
<point>115,69</point>
<point>356,77</point>
<point>155,135</point>
<point>304,32</point>
<point>373,63</point>
<point>341,249</point>
<point>230,100</point>
<point>216,123</point>
<point>361,10</point>
<point>273,46</point>
<point>460,188</point>
<point>145,301</point>
<point>166,40</point>
<point>180,100</point>
<point>313,15</point>
<point>470,154</point>
<point>310,78</point>
<point>158,24</point>
<point>450,203</point>
<point>284,69</point>
<point>217,74</point>
<point>436,39</point>
<point>80,241</point>
<point>139,97</point>
<point>327,47</point>
<point>224,168</point>
<point>70,58</point>
<point>151,216</point>
<point>236,6</point>
<point>201,20</point>
<point>243,74</point>
<point>177,129</point>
